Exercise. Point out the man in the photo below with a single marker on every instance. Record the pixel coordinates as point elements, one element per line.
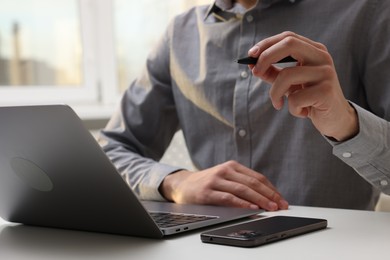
<point>263,136</point>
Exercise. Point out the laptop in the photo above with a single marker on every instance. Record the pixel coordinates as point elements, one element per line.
<point>53,173</point>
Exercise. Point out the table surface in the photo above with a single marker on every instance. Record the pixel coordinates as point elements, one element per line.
<point>351,234</point>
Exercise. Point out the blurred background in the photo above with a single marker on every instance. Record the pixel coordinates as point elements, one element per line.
<point>80,52</point>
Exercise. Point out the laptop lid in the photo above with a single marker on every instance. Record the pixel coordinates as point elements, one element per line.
<point>53,173</point>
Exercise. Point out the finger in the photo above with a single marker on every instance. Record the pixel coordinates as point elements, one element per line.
<point>244,182</point>
<point>239,173</point>
<point>289,79</point>
<point>268,42</point>
<point>301,102</point>
<point>249,179</point>
<point>305,53</point>
<point>264,187</point>
<point>272,49</point>
<point>256,175</point>
<point>266,190</point>
<point>244,193</point>
<point>222,198</point>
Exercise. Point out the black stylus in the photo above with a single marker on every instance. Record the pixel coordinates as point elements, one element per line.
<point>253,61</point>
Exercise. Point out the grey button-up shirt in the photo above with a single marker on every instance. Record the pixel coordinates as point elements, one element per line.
<point>191,82</point>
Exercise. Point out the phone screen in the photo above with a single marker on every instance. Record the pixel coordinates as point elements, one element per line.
<point>262,231</point>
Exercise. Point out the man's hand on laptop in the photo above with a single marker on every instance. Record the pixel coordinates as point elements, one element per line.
<point>227,184</point>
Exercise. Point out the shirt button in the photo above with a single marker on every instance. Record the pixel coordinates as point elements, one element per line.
<point>347,155</point>
<point>249,18</point>
<point>242,132</point>
<point>384,182</point>
<point>244,74</point>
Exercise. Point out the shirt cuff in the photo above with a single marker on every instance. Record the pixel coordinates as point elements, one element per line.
<point>367,144</point>
<point>149,189</point>
<point>367,152</point>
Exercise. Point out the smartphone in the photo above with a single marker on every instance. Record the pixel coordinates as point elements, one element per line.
<point>262,231</point>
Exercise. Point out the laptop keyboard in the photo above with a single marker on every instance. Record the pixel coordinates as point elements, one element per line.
<point>167,219</point>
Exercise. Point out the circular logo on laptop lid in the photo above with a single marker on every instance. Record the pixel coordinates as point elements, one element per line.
<point>31,174</point>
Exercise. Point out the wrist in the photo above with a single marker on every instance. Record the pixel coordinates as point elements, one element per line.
<point>349,125</point>
<point>169,184</point>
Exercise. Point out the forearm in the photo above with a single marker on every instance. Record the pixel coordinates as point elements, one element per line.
<point>143,175</point>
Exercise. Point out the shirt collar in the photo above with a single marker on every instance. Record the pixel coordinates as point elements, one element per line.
<point>224,4</point>
<point>220,6</point>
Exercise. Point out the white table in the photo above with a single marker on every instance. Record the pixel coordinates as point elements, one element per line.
<point>351,235</point>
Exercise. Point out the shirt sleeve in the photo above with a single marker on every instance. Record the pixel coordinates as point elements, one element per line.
<point>368,152</point>
<point>141,129</point>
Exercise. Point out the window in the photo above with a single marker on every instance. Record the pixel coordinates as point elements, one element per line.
<point>43,56</point>
<point>79,52</point>
<point>40,43</point>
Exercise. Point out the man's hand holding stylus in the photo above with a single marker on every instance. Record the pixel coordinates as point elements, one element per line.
<point>312,88</point>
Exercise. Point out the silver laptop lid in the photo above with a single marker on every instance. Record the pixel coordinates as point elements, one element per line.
<point>53,173</point>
